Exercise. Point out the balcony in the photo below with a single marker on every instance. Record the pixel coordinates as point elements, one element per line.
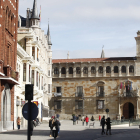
<point>129,94</point>
<point>79,94</point>
<point>100,94</point>
<point>57,94</point>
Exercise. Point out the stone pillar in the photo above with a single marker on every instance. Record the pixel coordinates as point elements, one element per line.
<point>89,71</point>
<point>35,54</point>
<point>38,80</point>
<point>30,74</point>
<point>52,72</point>
<point>59,71</point>
<point>104,70</point>
<point>120,73</point>
<point>74,71</point>
<point>112,70</point>
<point>67,70</point>
<point>35,77</point>
<point>96,70</point>
<point>137,115</point>
<point>27,72</point>
<point>127,70</point>
<point>81,71</point>
<point>135,69</point>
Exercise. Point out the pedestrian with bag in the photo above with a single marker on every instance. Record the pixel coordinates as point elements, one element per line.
<point>83,120</point>
<point>87,120</point>
<point>108,123</point>
<point>74,120</point>
<point>18,123</point>
<point>92,118</point>
<point>77,118</point>
<point>51,122</point>
<point>57,127</point>
<point>103,125</point>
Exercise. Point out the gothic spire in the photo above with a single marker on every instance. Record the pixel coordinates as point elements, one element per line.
<point>49,37</point>
<point>102,53</point>
<point>34,12</point>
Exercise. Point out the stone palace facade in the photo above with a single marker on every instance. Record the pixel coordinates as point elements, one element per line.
<point>90,86</point>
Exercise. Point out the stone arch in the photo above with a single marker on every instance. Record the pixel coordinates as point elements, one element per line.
<point>6,108</point>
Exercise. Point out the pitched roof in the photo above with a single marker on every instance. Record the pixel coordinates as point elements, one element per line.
<point>92,59</point>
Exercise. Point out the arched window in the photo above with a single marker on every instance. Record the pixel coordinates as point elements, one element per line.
<point>78,71</point>
<point>63,70</point>
<point>70,70</point>
<point>131,69</point>
<point>123,69</point>
<point>56,71</point>
<point>115,69</point>
<point>85,70</point>
<point>93,70</point>
<point>108,69</point>
<point>100,69</point>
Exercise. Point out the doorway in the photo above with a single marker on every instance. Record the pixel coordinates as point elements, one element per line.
<point>128,110</point>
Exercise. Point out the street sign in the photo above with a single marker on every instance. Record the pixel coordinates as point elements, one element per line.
<point>107,110</point>
<point>34,111</point>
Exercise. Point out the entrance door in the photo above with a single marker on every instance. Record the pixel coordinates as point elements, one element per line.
<point>128,110</point>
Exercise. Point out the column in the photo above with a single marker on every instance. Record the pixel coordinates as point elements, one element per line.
<point>119,113</point>
<point>74,71</point>
<point>112,70</point>
<point>127,70</point>
<point>30,74</point>
<point>120,73</point>
<point>34,77</point>
<point>35,54</point>
<point>104,70</point>
<point>38,80</point>
<point>137,116</point>
<point>89,71</point>
<point>52,72</point>
<point>81,71</point>
<point>135,69</point>
<point>59,71</point>
<point>96,70</point>
<point>27,72</point>
<point>67,70</point>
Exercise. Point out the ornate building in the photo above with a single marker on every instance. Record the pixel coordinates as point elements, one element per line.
<point>90,86</point>
<point>34,56</point>
<point>8,59</point>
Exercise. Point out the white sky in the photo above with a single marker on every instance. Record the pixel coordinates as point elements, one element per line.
<point>82,27</point>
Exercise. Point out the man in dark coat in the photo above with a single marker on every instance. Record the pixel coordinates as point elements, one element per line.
<point>57,127</point>
<point>103,125</point>
<point>108,123</point>
<point>74,120</point>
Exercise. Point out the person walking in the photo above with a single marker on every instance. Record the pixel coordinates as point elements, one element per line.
<point>87,120</point>
<point>108,123</point>
<point>103,125</point>
<point>57,116</point>
<point>18,123</point>
<point>92,118</point>
<point>74,120</point>
<point>57,126</point>
<point>77,118</point>
<point>51,122</point>
<point>83,120</point>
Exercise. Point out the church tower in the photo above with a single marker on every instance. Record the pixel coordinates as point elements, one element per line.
<point>49,37</point>
<point>103,53</point>
<point>138,44</point>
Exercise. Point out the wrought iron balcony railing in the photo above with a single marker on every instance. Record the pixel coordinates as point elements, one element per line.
<point>100,94</point>
<point>58,94</point>
<point>129,94</point>
<point>79,94</point>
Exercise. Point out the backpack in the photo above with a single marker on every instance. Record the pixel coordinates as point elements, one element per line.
<point>50,123</point>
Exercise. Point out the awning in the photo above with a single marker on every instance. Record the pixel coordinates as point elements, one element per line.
<point>9,80</point>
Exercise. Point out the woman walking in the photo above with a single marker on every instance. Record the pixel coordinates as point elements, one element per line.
<point>18,122</point>
<point>87,120</point>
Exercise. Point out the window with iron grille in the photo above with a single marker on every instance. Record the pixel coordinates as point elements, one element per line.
<point>131,69</point>
<point>70,70</point>
<point>79,91</point>
<point>24,72</point>
<point>63,70</point>
<point>85,70</point>
<point>93,70</point>
<point>115,69</point>
<point>108,69</point>
<point>100,104</point>
<point>56,71</point>
<point>57,104</point>
<point>100,69</point>
<point>58,89</point>
<point>78,104</point>
<point>123,69</point>
<point>49,73</point>
<point>78,71</point>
